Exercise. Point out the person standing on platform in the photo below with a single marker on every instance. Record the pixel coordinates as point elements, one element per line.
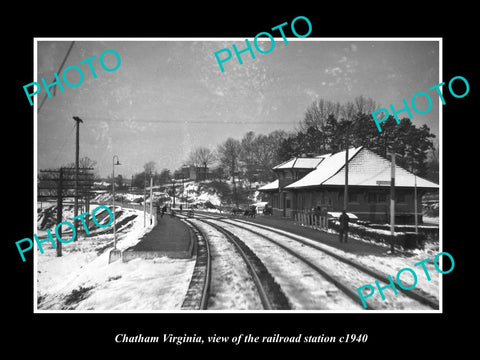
<point>343,233</point>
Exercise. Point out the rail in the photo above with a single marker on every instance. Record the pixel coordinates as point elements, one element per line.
<point>197,294</point>
<point>413,294</point>
<point>270,293</point>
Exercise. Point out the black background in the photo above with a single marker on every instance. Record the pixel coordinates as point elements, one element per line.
<point>400,334</point>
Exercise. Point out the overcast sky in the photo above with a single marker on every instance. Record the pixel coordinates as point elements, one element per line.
<point>168,97</point>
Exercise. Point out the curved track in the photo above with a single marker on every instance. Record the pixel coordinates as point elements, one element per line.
<point>329,264</point>
<point>198,290</point>
<point>197,297</point>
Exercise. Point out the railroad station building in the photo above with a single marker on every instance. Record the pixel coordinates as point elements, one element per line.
<point>317,183</point>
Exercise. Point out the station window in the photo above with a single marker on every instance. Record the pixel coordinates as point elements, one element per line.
<point>382,197</point>
<point>353,197</point>
<point>400,197</point>
<point>377,197</point>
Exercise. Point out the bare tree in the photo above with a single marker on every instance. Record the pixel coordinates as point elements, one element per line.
<point>149,171</point>
<point>202,156</point>
<point>318,112</point>
<point>149,167</point>
<point>228,155</point>
<point>85,164</point>
<point>364,105</point>
<point>248,149</point>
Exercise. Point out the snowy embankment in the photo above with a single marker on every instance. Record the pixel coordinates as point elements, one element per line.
<point>383,263</point>
<point>82,279</point>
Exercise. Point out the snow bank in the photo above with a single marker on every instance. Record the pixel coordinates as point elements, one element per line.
<point>82,279</point>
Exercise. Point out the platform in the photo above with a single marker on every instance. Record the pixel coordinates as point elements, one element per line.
<point>170,237</point>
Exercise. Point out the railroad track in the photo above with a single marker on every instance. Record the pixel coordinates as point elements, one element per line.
<point>337,263</point>
<point>270,294</point>
<point>198,289</point>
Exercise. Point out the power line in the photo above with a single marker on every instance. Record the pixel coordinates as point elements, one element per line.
<point>180,122</point>
<point>59,70</point>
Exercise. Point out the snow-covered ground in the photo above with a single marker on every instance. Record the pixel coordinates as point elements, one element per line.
<point>388,265</point>
<point>82,279</point>
<point>231,286</point>
<point>304,287</point>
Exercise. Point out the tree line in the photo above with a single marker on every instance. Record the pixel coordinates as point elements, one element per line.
<point>327,127</point>
<point>332,126</point>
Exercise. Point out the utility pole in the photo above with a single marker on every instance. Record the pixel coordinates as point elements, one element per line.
<point>59,210</point>
<point>234,189</point>
<point>415,204</point>
<point>392,199</point>
<point>145,198</point>
<point>345,190</point>
<point>113,196</point>
<point>77,151</point>
<point>60,181</point>
<point>173,185</point>
<point>183,190</point>
<point>151,199</point>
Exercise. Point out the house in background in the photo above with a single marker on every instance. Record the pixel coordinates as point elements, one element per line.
<point>192,172</point>
<point>317,182</point>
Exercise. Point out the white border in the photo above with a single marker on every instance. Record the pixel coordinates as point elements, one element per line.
<point>294,312</point>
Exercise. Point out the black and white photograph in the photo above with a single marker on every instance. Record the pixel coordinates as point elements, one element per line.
<point>266,186</point>
<point>192,190</point>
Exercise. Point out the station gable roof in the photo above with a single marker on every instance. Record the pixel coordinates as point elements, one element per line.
<point>365,168</point>
<point>270,186</point>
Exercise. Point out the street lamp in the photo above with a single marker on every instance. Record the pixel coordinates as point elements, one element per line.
<point>113,191</point>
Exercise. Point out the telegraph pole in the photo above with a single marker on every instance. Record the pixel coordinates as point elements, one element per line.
<point>145,198</point>
<point>392,199</point>
<point>415,204</point>
<point>113,193</point>
<point>77,151</point>
<point>345,190</point>
<point>59,210</point>
<point>151,199</point>
<point>64,182</point>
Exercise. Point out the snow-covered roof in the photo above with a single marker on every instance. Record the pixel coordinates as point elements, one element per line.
<point>365,168</point>
<point>270,186</point>
<point>331,164</point>
<point>300,163</point>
